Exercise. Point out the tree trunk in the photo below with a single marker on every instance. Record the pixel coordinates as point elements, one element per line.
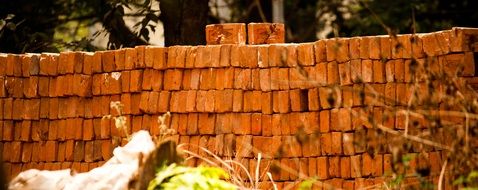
<point>184,21</point>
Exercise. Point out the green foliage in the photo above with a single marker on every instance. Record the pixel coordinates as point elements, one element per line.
<point>307,184</point>
<point>198,178</point>
<point>470,182</point>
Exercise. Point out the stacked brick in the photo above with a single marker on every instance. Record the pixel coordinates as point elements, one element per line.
<point>235,100</point>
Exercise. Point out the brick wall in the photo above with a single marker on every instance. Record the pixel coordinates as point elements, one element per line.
<point>223,97</point>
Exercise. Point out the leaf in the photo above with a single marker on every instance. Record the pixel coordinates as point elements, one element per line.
<point>307,184</point>
<point>11,26</point>
<point>459,181</point>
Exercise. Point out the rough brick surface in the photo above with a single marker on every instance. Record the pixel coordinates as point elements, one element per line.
<point>299,105</point>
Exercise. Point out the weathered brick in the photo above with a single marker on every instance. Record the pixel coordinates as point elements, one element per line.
<point>131,57</point>
<point>305,54</point>
<point>136,80</point>
<point>299,100</point>
<point>232,33</point>
<point>332,73</point>
<point>356,166</point>
<point>367,71</point>
<point>206,123</point>
<point>378,71</point>
<point>223,123</point>
<point>322,168</point>
<point>146,82</point>
<point>345,73</point>
<point>399,70</point>
<point>265,33</point>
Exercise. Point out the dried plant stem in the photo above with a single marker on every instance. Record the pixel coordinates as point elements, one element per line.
<point>409,137</point>
<point>442,173</point>
<point>407,115</point>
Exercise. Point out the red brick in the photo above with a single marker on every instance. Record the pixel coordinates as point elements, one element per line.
<point>283,79</point>
<point>266,125</point>
<point>281,100</point>
<point>88,131</point>
<point>131,57</point>
<point>144,102</point>
<point>298,78</point>
<point>332,73</point>
<point>32,109</point>
<point>356,166</point>
<point>18,105</point>
<point>399,70</point>
<point>406,45</point>
<point>119,59</point>
<point>305,54</point>
<point>365,47</point>
<point>208,56</point>
<point>390,70</point>
<point>207,79</point>
<point>177,56</point>
<point>431,47</point>
<point>159,57</point>
<point>224,78</point>
<point>242,79</point>
<point>385,47</point>
<point>342,50</point>
<point>225,55</point>
<point>345,73</point>
<point>206,123</point>
<point>397,48</point>
<point>313,99</point>
<point>343,118</point>
<point>367,165</point>
<point>345,167</point>
<point>50,149</point>
<point>209,101</point>
<point>232,33</point>
<point>265,33</point>
<point>277,55</point>
<point>348,143</point>
<point>322,168</point>
<point>377,166</point>
<point>298,100</point>
<point>241,123</point>
<point>291,55</point>
<point>95,86</point>
<point>311,148</point>
<point>26,130</point>
<point>136,77</point>
<point>375,48</point>
<point>172,79</point>
<point>125,81</point>
<point>146,84</point>
<point>256,81</point>
<point>30,65</point>
<point>106,149</point>
<point>223,123</point>
<point>378,71</point>
<point>244,146</point>
<point>191,55</point>
<point>140,57</point>
<point>192,127</point>
<point>247,103</point>
<point>367,71</point>
<point>324,95</point>
<point>417,46</point>
<point>461,39</point>
<point>65,65</point>
<point>3,64</point>
<point>26,61</point>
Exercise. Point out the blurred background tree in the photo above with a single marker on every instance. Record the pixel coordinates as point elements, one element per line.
<point>57,25</point>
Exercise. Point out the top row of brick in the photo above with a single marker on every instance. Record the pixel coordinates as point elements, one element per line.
<point>339,50</point>
<point>235,33</point>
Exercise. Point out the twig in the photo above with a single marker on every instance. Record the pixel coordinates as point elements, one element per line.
<point>442,173</point>
<point>409,137</point>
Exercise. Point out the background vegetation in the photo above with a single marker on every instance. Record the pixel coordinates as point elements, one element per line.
<point>55,25</point>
